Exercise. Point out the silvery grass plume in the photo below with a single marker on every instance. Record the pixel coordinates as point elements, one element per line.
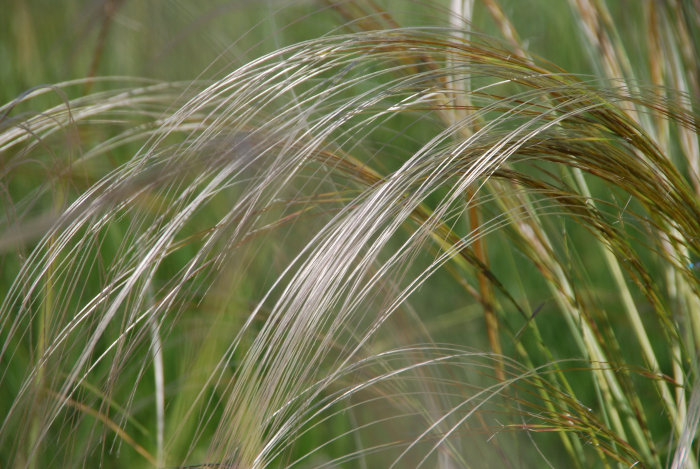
<point>387,247</point>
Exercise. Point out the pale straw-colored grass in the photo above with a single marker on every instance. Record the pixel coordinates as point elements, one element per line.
<point>261,277</point>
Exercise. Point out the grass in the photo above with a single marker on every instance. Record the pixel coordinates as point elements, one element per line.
<point>355,234</point>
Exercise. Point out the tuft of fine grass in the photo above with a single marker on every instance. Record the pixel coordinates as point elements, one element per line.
<point>388,246</point>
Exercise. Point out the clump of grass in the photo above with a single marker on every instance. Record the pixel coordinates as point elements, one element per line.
<point>390,246</point>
